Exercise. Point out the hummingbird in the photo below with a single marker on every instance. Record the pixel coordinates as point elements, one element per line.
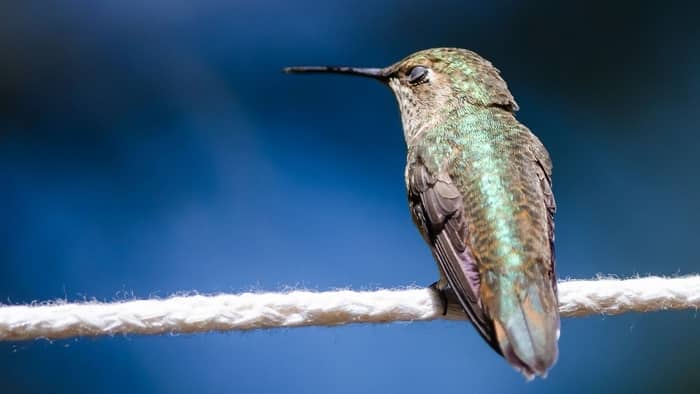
<point>479,187</point>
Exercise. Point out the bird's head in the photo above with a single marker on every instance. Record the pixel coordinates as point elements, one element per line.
<point>432,83</point>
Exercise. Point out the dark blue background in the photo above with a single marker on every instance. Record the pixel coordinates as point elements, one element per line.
<point>153,147</point>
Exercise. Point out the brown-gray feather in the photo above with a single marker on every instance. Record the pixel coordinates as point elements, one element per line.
<point>438,211</point>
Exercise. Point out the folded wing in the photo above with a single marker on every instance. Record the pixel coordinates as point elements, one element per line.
<point>438,211</point>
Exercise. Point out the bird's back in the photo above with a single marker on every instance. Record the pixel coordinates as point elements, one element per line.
<point>503,174</point>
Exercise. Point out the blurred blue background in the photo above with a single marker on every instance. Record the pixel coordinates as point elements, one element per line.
<point>153,147</point>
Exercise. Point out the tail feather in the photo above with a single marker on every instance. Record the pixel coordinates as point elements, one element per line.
<point>527,333</point>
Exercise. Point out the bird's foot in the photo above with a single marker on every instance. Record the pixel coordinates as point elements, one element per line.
<point>442,293</point>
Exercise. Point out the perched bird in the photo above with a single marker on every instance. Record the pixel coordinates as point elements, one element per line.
<point>480,191</point>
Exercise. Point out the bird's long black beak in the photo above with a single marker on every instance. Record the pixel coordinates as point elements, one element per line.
<point>376,73</point>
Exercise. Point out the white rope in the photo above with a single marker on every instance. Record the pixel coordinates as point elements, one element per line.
<point>224,312</point>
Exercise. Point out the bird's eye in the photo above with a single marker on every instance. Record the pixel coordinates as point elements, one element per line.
<point>417,75</point>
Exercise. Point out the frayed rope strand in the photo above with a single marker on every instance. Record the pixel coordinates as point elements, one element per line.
<point>248,311</point>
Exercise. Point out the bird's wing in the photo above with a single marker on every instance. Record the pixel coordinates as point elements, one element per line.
<point>438,211</point>
<point>544,172</point>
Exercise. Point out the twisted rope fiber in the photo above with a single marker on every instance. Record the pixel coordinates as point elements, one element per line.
<point>248,311</point>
